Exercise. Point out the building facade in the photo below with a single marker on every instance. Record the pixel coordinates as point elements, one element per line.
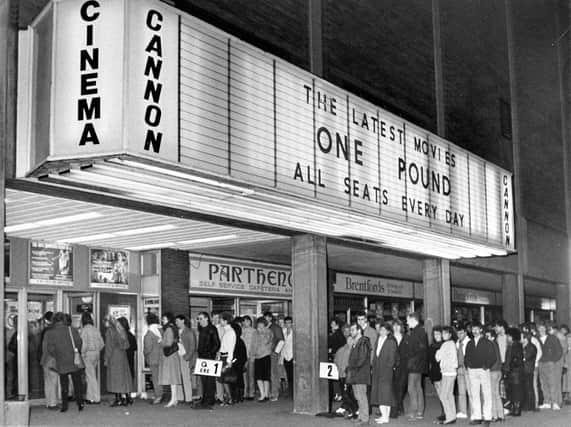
<point>312,158</point>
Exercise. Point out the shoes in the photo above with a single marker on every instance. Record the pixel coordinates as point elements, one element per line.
<point>449,422</point>
<point>52,408</point>
<point>274,399</point>
<point>461,415</point>
<point>381,420</point>
<point>249,398</point>
<point>171,404</point>
<point>545,406</point>
<point>117,403</point>
<point>556,407</point>
<point>156,401</point>
<point>80,407</point>
<point>340,411</point>
<point>91,402</point>
<point>63,409</point>
<point>419,417</point>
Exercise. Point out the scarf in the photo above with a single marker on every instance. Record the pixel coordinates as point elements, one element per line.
<point>154,328</point>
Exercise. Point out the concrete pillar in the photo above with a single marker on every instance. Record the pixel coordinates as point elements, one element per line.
<point>562,313</point>
<point>175,282</point>
<point>436,285</point>
<point>309,267</point>
<point>511,300</point>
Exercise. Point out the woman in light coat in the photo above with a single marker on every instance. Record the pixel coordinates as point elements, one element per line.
<point>385,359</point>
<point>152,351</point>
<point>169,367</point>
<point>91,350</point>
<point>118,374</point>
<point>447,356</point>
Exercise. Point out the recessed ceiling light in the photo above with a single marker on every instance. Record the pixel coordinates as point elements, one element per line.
<point>145,230</point>
<point>209,239</point>
<point>153,246</point>
<point>53,221</point>
<point>92,237</point>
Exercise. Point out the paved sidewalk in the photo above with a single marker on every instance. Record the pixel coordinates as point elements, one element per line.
<point>249,414</point>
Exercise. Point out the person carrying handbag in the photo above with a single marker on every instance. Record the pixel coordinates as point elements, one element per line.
<point>63,343</point>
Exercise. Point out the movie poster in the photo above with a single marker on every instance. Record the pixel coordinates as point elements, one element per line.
<point>109,269</point>
<point>51,264</point>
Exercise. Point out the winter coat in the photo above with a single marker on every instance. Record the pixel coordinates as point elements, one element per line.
<point>208,342</point>
<point>514,363</point>
<point>359,366</point>
<point>529,356</point>
<point>152,349</point>
<point>188,340</point>
<point>335,341</point>
<point>447,357</point>
<point>418,347</point>
<point>60,347</point>
<point>434,372</point>
<point>119,378</point>
<point>383,373</point>
<point>91,339</point>
<point>481,355</point>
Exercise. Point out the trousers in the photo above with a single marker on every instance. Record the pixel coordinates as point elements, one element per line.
<point>360,393</point>
<point>77,387</point>
<point>416,394</point>
<point>91,360</point>
<point>51,386</point>
<point>480,386</point>
<point>446,396</point>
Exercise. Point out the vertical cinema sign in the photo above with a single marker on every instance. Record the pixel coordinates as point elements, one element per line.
<point>115,68</point>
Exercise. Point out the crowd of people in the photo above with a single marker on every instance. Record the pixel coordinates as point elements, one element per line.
<point>481,372</point>
<point>256,356</point>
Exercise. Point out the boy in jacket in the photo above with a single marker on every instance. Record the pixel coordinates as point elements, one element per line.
<point>549,376</point>
<point>417,365</point>
<point>359,371</point>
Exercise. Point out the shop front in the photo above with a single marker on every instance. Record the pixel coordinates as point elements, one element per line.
<point>540,309</point>
<point>243,288</point>
<point>476,305</point>
<point>382,297</point>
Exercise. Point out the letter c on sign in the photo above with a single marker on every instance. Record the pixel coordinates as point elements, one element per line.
<point>154,25</point>
<point>84,12</point>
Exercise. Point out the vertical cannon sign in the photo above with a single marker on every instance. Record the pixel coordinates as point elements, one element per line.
<point>115,87</point>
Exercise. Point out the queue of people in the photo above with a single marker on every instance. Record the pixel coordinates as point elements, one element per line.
<point>497,371</point>
<point>255,358</point>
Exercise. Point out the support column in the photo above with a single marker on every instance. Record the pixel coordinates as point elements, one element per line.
<point>511,300</point>
<point>562,314</point>
<point>315,27</point>
<point>175,270</point>
<point>309,267</point>
<point>436,285</point>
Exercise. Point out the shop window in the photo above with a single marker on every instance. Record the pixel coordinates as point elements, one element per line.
<point>149,264</point>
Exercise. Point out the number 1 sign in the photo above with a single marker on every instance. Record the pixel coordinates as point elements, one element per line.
<point>211,368</point>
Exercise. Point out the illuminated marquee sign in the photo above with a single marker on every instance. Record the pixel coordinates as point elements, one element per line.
<point>142,78</point>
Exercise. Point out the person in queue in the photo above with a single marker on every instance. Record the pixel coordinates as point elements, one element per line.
<point>335,341</point>
<point>385,359</point>
<point>152,352</point>
<point>91,351</point>
<point>263,344</point>
<point>62,342</point>
<point>226,354</point>
<point>239,364</point>
<point>417,365</point>
<point>208,346</point>
<point>495,378</point>
<point>359,371</point>
<point>480,357</point>
<point>348,405</point>
<point>368,330</point>
<point>287,353</point>
<point>550,381</point>
<point>463,378</point>
<point>248,333</point>
<point>529,363</point>
<point>187,355</point>
<point>277,345</point>
<point>131,351</point>
<point>119,380</point>
<point>401,371</point>
<point>513,371</point>
<point>447,357</point>
<point>434,372</point>
<point>169,367</point>
<point>51,378</point>
<point>531,329</point>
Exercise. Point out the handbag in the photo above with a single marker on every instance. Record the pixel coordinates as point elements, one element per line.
<point>167,351</point>
<point>77,359</point>
<point>229,375</point>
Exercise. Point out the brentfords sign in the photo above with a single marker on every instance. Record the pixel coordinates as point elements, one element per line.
<point>369,285</point>
<point>142,78</point>
<point>221,275</point>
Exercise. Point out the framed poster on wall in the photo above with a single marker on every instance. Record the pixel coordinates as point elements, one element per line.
<point>51,264</point>
<point>108,269</point>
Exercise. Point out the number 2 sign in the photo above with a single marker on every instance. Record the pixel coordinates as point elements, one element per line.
<point>328,371</point>
<point>211,368</point>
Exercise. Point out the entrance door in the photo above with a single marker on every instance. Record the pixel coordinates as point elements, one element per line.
<point>118,305</point>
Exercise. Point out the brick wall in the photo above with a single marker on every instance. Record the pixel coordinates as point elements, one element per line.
<point>175,282</point>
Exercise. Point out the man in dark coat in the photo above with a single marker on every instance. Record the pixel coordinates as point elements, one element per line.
<point>359,371</point>
<point>417,365</point>
<point>60,346</point>
<point>208,346</point>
